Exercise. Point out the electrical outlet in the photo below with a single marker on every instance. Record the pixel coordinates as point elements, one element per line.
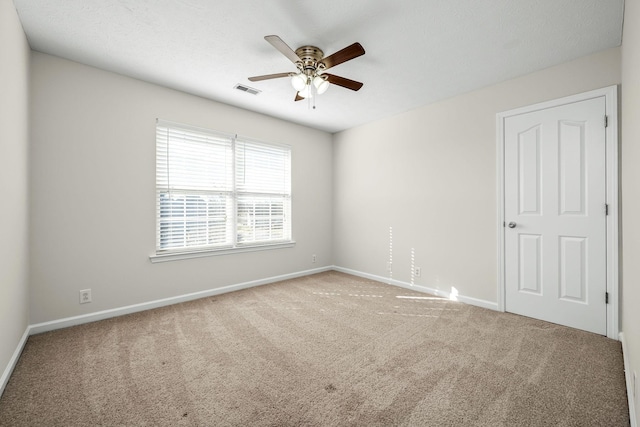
<point>417,272</point>
<point>85,296</point>
<point>313,258</point>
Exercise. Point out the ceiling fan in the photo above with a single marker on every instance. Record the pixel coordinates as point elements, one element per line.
<point>312,64</point>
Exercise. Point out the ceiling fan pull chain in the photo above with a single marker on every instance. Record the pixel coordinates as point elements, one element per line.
<point>313,89</point>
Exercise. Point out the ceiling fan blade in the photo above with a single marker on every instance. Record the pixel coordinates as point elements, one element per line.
<point>298,97</point>
<point>343,55</point>
<point>283,48</point>
<point>268,76</point>
<point>344,82</point>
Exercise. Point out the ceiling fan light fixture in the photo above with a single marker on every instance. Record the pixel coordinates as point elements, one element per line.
<point>306,92</point>
<point>321,84</point>
<point>299,81</point>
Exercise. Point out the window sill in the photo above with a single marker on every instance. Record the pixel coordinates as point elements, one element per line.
<point>175,256</point>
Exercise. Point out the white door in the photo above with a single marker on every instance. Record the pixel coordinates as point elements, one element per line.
<point>555,218</point>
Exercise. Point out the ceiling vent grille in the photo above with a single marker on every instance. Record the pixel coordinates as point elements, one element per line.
<point>247,89</point>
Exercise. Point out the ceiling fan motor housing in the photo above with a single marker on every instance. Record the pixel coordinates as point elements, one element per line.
<point>309,57</point>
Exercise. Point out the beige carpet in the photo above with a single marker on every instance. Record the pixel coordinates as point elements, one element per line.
<point>323,350</point>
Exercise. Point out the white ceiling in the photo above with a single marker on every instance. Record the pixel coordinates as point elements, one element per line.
<point>417,51</point>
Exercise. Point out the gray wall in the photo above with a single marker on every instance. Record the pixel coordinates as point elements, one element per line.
<point>14,143</point>
<point>630,152</point>
<point>93,192</point>
<point>430,174</point>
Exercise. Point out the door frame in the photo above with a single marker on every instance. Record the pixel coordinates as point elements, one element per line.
<point>612,183</point>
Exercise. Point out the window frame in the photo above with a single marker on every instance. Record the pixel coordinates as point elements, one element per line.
<point>235,195</point>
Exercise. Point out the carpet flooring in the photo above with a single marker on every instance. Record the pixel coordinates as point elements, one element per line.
<point>323,350</point>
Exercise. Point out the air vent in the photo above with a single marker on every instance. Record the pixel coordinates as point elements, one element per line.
<point>247,89</point>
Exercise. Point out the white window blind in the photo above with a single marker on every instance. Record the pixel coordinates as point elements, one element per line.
<point>263,185</point>
<point>216,191</point>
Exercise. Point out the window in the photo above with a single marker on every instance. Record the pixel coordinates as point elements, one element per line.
<point>219,192</point>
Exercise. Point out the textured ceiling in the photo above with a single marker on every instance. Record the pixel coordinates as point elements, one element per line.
<point>417,51</point>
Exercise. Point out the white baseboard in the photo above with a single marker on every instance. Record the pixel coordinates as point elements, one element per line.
<point>13,361</point>
<point>629,382</point>
<point>114,312</point>
<point>120,311</point>
<point>467,300</point>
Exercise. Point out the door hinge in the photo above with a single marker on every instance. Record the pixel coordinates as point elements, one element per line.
<point>606,209</point>
<point>606,121</point>
<point>606,297</point>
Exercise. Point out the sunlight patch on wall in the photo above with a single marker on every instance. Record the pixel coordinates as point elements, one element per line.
<point>390,264</point>
<point>413,266</point>
<point>453,296</point>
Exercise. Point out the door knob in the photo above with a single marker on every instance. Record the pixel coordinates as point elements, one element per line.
<point>512,224</point>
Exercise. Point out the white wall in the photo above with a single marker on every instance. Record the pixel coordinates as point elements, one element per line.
<point>93,191</point>
<point>630,152</point>
<point>14,135</point>
<point>430,173</point>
